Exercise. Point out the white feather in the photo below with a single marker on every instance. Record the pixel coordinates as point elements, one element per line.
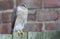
<point>18,27</point>
<point>21,19</point>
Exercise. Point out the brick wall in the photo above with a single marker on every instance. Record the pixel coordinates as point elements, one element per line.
<point>5,22</point>
<point>6,4</point>
<point>43,15</point>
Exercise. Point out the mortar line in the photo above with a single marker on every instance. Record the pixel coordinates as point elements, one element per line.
<point>42,22</point>
<point>4,11</point>
<point>11,10</point>
<point>42,4</point>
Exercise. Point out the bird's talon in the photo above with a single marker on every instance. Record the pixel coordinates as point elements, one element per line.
<point>20,33</point>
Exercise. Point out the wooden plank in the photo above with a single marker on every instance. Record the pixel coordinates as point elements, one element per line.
<point>52,35</point>
<point>34,35</point>
<point>29,35</point>
<point>15,36</point>
<point>5,36</point>
<point>39,35</point>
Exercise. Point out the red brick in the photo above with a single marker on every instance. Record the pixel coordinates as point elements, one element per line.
<point>6,4</point>
<point>0,17</point>
<point>52,26</point>
<point>52,3</point>
<point>6,28</point>
<point>33,27</point>
<point>31,17</point>
<point>38,2</point>
<point>46,15</point>
<point>58,11</point>
<point>6,17</point>
<point>38,27</point>
<point>18,2</point>
<point>0,27</point>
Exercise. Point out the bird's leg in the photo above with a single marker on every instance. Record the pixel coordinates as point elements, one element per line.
<point>20,33</point>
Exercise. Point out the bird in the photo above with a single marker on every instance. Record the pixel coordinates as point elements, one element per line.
<point>19,16</point>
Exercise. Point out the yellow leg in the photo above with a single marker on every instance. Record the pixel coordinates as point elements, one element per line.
<point>20,32</point>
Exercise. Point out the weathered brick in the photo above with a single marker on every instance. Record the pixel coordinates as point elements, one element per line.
<point>6,17</point>
<point>52,26</point>
<point>58,11</point>
<point>0,17</point>
<point>6,4</point>
<point>46,15</point>
<point>33,27</point>
<point>6,28</point>
<point>52,3</point>
<point>38,2</point>
<point>31,17</point>
<point>0,27</point>
<point>18,2</point>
